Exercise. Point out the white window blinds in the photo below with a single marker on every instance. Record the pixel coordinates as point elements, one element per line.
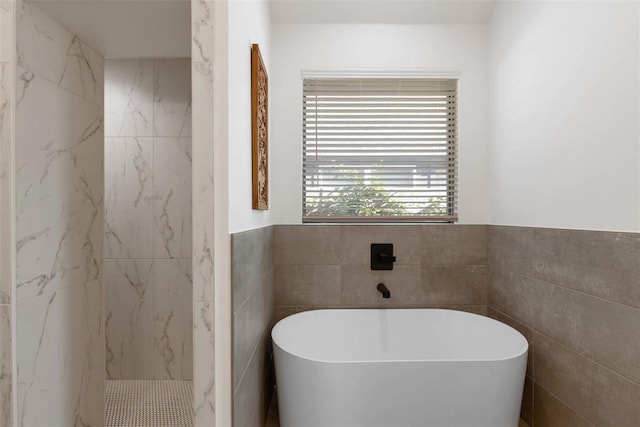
<point>379,149</point>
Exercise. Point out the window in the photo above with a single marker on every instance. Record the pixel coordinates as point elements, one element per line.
<point>379,149</point>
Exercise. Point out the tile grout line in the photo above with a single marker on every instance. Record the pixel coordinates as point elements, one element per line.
<point>265,334</point>
<point>581,354</point>
<point>532,257</point>
<point>569,288</point>
<point>613,371</point>
<point>59,86</point>
<point>565,404</point>
<point>533,380</point>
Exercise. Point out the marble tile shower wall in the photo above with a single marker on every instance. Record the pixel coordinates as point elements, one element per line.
<point>202,18</point>
<point>59,143</point>
<point>148,219</point>
<point>327,266</point>
<point>6,43</point>
<point>575,295</point>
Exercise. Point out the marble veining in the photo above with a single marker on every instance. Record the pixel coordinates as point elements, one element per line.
<point>5,365</point>
<point>59,188</point>
<point>173,330</point>
<point>129,100</point>
<point>203,13</point>
<point>204,366</point>
<point>129,197</point>
<point>50,51</point>
<point>202,148</point>
<point>148,319</point>
<point>172,97</point>
<point>42,44</point>
<point>83,71</point>
<point>202,32</point>
<point>172,209</point>
<point>23,82</point>
<point>58,229</point>
<point>129,319</point>
<point>148,221</point>
<point>60,357</point>
<point>6,99</point>
<point>5,31</point>
<point>5,184</point>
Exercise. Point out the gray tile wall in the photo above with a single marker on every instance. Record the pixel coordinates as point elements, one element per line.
<point>575,296</point>
<point>328,266</point>
<point>253,302</point>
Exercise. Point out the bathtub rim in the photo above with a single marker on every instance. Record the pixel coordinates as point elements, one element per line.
<point>519,354</point>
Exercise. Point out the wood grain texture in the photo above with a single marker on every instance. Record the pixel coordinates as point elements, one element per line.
<point>259,131</point>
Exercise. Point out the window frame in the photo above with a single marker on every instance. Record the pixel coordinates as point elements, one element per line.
<point>452,154</point>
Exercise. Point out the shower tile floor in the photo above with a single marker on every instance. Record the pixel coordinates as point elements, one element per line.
<point>149,403</point>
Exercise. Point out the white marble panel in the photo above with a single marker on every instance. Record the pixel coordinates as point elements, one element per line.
<point>202,149</point>
<point>5,184</point>
<point>129,97</point>
<point>59,188</point>
<point>48,50</point>
<point>6,44</point>
<point>172,207</point>
<point>202,31</point>
<point>203,289</point>
<point>83,73</point>
<point>5,97</point>
<point>5,365</point>
<point>6,377</point>
<point>128,198</point>
<point>204,364</point>
<point>172,97</point>
<point>129,318</point>
<point>60,357</point>
<point>42,43</point>
<point>173,323</point>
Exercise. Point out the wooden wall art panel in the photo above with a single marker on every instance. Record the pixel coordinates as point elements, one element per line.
<point>259,130</point>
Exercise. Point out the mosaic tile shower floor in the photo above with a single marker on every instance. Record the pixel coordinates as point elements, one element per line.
<point>149,403</point>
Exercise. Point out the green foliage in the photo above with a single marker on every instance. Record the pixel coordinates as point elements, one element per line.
<point>435,206</point>
<point>360,200</point>
<point>371,200</point>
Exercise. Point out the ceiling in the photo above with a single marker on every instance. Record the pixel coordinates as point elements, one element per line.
<point>162,28</point>
<point>127,28</point>
<point>409,12</point>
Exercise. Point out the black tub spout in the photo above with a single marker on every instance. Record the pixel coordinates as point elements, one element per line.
<point>384,290</point>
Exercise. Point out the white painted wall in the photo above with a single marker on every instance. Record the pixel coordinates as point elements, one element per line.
<point>302,47</point>
<point>564,123</point>
<point>249,22</point>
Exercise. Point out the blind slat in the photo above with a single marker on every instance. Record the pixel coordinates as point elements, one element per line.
<point>379,149</point>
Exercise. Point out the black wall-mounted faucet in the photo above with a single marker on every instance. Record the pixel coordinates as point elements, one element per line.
<point>382,256</point>
<point>384,290</point>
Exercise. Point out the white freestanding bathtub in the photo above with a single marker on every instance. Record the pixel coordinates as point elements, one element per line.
<point>394,368</point>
